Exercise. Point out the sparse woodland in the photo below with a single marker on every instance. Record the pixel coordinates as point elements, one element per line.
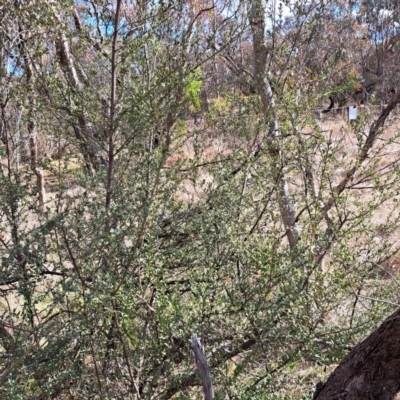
<point>180,167</point>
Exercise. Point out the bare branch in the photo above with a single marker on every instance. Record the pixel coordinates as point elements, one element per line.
<point>204,369</point>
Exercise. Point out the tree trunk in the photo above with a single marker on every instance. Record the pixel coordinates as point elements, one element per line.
<point>89,148</point>
<point>371,371</point>
<point>32,138</point>
<point>287,205</point>
<point>33,161</point>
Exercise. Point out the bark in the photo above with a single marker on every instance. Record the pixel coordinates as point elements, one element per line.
<point>33,161</point>
<point>260,56</point>
<point>32,138</point>
<point>89,148</point>
<point>204,369</point>
<point>113,97</point>
<point>371,371</point>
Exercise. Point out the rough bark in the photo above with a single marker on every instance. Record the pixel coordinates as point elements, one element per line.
<point>371,371</point>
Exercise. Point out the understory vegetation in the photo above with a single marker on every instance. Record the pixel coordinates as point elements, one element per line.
<point>175,168</point>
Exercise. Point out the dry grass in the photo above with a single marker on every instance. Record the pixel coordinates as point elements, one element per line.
<point>208,146</point>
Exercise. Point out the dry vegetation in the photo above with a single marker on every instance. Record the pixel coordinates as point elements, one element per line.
<point>194,182</point>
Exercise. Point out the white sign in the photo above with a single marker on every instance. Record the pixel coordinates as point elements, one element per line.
<point>352,113</point>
